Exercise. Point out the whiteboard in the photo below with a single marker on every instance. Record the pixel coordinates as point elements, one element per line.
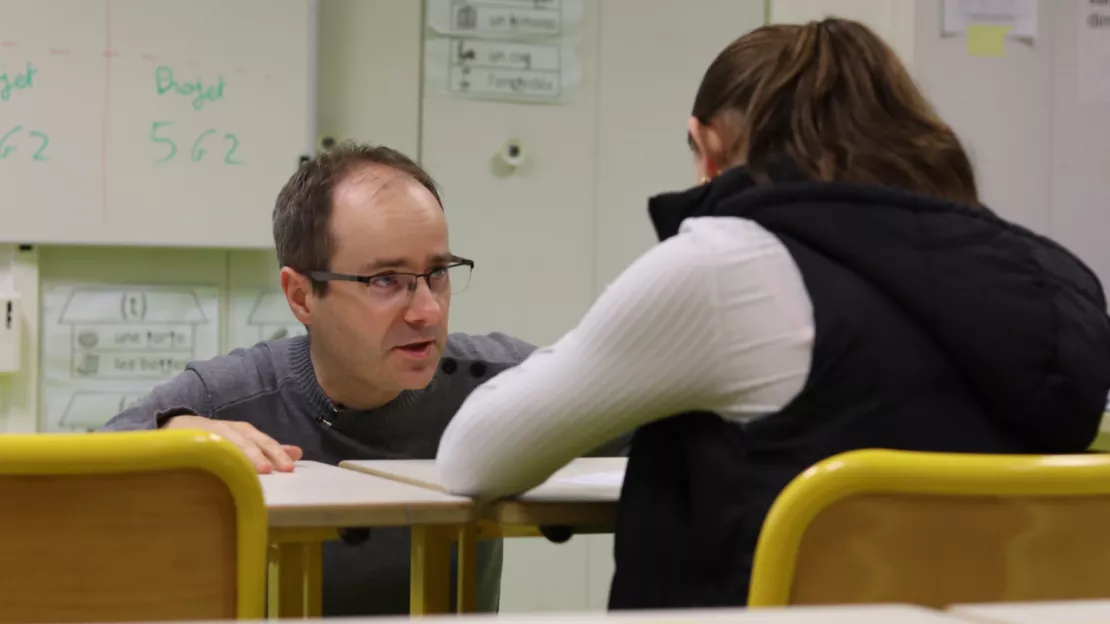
<point>150,122</point>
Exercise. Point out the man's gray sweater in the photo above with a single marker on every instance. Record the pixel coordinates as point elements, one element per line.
<point>273,387</point>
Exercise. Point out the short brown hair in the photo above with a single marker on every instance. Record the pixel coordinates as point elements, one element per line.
<point>835,100</point>
<point>302,212</point>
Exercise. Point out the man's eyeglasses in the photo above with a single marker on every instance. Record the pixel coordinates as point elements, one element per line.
<point>453,278</point>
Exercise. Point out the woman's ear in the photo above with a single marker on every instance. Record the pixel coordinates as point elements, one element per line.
<point>708,147</point>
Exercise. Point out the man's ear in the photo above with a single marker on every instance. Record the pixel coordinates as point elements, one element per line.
<point>298,293</point>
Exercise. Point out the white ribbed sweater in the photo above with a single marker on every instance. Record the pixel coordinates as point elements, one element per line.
<point>716,318</point>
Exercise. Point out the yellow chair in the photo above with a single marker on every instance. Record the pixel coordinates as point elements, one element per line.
<point>1101,443</point>
<point>935,529</point>
<point>150,525</point>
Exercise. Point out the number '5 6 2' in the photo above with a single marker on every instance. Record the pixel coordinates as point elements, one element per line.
<point>18,138</point>
<point>207,141</point>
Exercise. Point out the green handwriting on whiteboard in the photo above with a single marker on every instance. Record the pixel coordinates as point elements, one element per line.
<point>166,83</point>
<point>229,157</point>
<point>33,143</point>
<point>16,81</point>
<point>43,142</point>
<point>203,143</point>
<point>154,127</point>
<point>198,151</point>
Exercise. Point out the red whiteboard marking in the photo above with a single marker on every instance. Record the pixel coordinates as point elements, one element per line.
<point>8,44</point>
<point>269,76</point>
<point>58,51</point>
<point>110,53</point>
<point>150,57</point>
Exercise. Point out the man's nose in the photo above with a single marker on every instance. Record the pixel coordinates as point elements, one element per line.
<point>424,308</point>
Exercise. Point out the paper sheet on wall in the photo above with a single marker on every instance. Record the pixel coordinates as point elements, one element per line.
<point>105,346</point>
<point>505,19</point>
<point>506,50</point>
<point>987,40</point>
<point>258,315</point>
<point>1019,15</point>
<point>1093,77</point>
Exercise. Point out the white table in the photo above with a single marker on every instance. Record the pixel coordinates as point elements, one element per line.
<point>1063,612</point>
<point>584,493</point>
<point>856,614</point>
<point>581,496</point>
<point>845,614</point>
<point>318,495</point>
<point>309,506</point>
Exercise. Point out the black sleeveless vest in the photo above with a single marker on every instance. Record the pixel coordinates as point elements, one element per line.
<point>896,364</point>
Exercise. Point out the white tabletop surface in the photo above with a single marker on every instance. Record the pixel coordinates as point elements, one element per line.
<point>583,480</point>
<point>319,495</point>
<point>583,494</point>
<point>1064,612</point>
<point>854,614</point>
<point>857,614</point>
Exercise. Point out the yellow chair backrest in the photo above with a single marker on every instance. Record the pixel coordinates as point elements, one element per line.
<point>935,529</point>
<point>111,527</point>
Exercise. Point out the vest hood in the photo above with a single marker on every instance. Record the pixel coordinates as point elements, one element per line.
<point>1021,318</point>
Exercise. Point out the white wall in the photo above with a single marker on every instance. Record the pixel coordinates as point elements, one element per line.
<point>651,65</point>
<point>369,71</point>
<point>891,19</point>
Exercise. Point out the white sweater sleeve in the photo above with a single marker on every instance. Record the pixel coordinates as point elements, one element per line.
<point>716,318</point>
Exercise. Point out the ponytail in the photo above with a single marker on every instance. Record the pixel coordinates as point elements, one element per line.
<point>835,100</point>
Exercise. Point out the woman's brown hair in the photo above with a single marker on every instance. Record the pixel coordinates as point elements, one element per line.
<point>835,99</point>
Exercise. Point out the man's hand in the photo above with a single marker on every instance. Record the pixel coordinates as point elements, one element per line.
<point>264,452</point>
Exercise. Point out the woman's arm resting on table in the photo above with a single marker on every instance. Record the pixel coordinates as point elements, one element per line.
<point>661,340</point>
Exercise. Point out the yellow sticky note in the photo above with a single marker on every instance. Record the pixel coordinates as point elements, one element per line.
<point>987,40</point>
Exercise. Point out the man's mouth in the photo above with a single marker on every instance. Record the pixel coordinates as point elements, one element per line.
<point>420,349</point>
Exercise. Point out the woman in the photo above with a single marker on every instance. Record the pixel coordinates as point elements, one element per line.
<point>833,284</point>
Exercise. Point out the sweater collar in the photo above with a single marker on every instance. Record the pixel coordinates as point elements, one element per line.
<point>300,366</point>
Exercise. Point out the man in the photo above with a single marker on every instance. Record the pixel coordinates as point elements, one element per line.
<point>365,265</point>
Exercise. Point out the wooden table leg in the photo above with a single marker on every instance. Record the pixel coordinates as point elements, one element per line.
<point>466,575</point>
<point>294,586</point>
<point>430,580</point>
<point>488,529</point>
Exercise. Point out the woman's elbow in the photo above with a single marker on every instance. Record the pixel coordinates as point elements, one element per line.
<point>477,489</point>
<point>477,482</point>
<point>460,476</point>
